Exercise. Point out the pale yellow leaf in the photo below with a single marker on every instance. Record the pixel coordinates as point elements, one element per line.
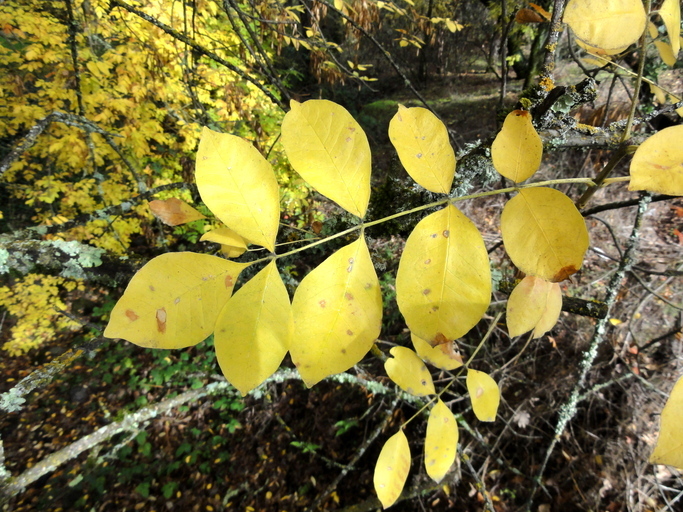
<point>253,330</point>
<point>329,149</point>
<point>669,447</point>
<point>670,11</point>
<point>421,141</point>
<point>601,52</point>
<point>239,187</point>
<point>232,245</point>
<point>337,314</point>
<point>174,211</point>
<point>441,441</point>
<point>517,149</point>
<point>657,165</point>
<point>544,234</point>
<point>408,371</point>
<point>391,470</point>
<point>484,395</point>
<point>443,285</point>
<point>174,300</point>
<point>658,93</point>
<point>606,24</point>
<point>534,304</point>
<point>665,53</point>
<point>444,356</point>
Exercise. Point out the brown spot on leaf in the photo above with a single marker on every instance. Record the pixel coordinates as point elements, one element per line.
<point>131,315</point>
<point>446,233</point>
<point>419,155</point>
<point>564,273</point>
<point>433,235</point>
<point>426,291</point>
<point>480,392</point>
<point>521,113</point>
<point>349,269</point>
<point>343,351</point>
<point>349,139</point>
<point>349,332</point>
<point>229,281</point>
<point>348,296</point>
<point>368,286</point>
<point>177,300</point>
<point>323,303</point>
<point>435,308</point>
<point>439,339</point>
<point>151,288</point>
<point>451,350</point>
<point>161,320</point>
<point>351,260</point>
<point>428,261</point>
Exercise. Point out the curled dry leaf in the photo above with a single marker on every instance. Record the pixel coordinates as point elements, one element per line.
<point>174,211</point>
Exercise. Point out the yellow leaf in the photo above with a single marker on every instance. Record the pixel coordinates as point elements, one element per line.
<point>670,11</point>
<point>408,371</point>
<point>606,24</point>
<point>665,53</point>
<point>391,470</point>
<point>658,93</point>
<point>253,330</point>
<point>669,447</point>
<point>544,234</point>
<point>657,165</point>
<point>174,211</point>
<point>517,150</point>
<point>421,141</point>
<point>534,304</point>
<point>443,285</point>
<point>441,441</point>
<point>329,149</point>
<point>615,321</point>
<point>444,356</point>
<point>174,300</point>
<point>239,187</point>
<point>337,314</point>
<point>484,394</point>
<point>232,245</point>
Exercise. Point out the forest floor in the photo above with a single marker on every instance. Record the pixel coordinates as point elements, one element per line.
<point>293,449</point>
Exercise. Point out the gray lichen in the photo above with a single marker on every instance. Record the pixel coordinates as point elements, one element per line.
<point>12,401</point>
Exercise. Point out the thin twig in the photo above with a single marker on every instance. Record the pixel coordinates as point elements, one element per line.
<point>570,408</point>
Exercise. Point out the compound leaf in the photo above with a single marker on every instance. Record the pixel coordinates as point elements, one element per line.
<point>669,447</point>
<point>517,149</point>
<point>444,356</point>
<point>253,330</point>
<point>421,141</point>
<point>441,441</point>
<point>544,233</point>
<point>174,300</point>
<point>232,245</point>
<point>337,314</point>
<point>670,11</point>
<point>606,24</point>
<point>391,470</point>
<point>239,187</point>
<point>407,370</point>
<point>657,165</point>
<point>330,150</point>
<point>443,285</point>
<point>534,304</point>
<point>484,395</point>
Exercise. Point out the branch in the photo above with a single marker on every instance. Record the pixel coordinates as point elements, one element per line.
<point>199,49</point>
<point>570,408</point>
<point>556,29</point>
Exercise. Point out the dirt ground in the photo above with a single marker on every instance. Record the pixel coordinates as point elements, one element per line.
<point>293,449</point>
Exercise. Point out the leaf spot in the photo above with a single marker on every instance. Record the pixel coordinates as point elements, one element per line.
<point>351,260</point>
<point>428,261</point>
<point>446,233</point>
<point>343,351</point>
<point>161,320</point>
<point>348,296</point>
<point>177,300</point>
<point>368,286</point>
<point>426,291</point>
<point>229,283</point>
<point>323,303</point>
<point>349,139</point>
<point>435,308</point>
<point>480,392</point>
<point>350,268</point>
<point>351,129</point>
<point>349,332</point>
<point>132,315</point>
<point>433,235</point>
<point>564,273</point>
<point>419,155</point>
<point>151,288</point>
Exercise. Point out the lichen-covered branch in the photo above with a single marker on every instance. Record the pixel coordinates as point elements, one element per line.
<point>570,408</point>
